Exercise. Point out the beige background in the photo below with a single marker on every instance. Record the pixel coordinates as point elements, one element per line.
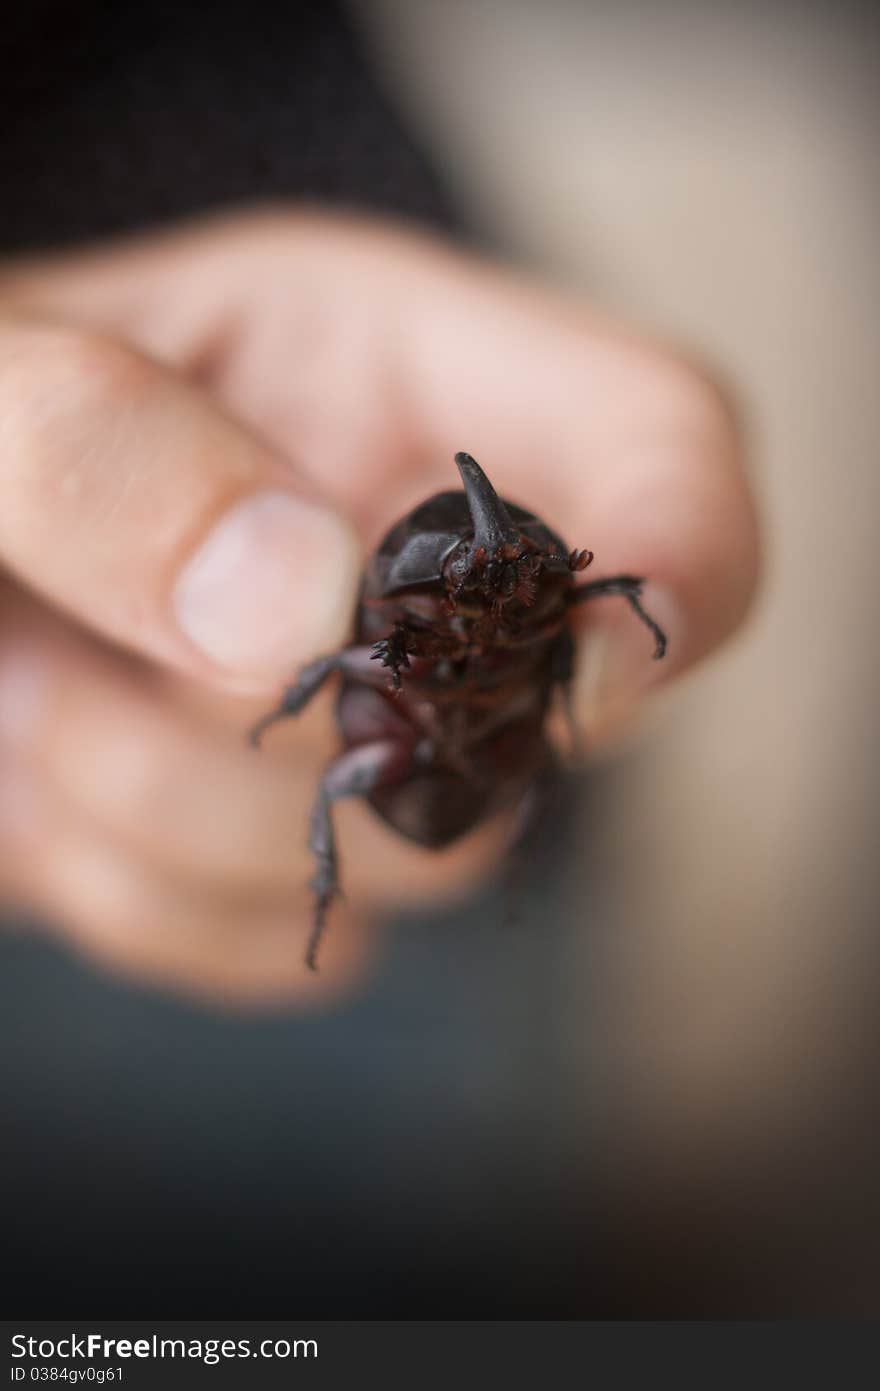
<point>711,171</point>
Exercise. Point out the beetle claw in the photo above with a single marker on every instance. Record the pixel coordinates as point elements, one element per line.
<point>392,653</point>
<point>579,560</point>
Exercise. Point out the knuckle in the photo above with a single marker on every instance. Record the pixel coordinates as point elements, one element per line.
<point>698,399</point>
<point>57,377</point>
<point>728,545</point>
<point>134,776</point>
<point>692,440</point>
<point>67,421</point>
<point>108,764</point>
<point>716,407</point>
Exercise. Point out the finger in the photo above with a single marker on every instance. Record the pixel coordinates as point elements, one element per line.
<point>129,501</point>
<point>115,910</point>
<point>191,800</point>
<point>619,442</point>
<point>119,911</point>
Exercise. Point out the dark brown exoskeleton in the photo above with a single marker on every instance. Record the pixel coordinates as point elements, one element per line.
<point>465,606</point>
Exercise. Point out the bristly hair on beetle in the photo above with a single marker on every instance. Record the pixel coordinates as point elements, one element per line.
<point>469,596</point>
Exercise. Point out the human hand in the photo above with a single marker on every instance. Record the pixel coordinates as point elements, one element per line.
<point>202,433</point>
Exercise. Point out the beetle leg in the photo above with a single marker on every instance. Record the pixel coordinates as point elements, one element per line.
<point>356,772</point>
<point>352,661</point>
<point>391,652</point>
<point>631,589</point>
<point>408,639</point>
<point>562,674</point>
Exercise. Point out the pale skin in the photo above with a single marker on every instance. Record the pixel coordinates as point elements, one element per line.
<point>203,432</point>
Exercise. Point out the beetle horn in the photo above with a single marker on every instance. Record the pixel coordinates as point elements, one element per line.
<point>491,519</point>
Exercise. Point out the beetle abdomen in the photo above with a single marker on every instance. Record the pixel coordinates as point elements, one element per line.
<point>441,801</point>
<point>433,807</point>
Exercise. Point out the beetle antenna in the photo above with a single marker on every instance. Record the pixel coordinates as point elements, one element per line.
<point>492,524</point>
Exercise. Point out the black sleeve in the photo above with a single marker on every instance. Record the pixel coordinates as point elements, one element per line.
<point>118,116</point>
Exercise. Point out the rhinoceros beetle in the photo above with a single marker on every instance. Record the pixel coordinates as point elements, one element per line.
<point>464,606</point>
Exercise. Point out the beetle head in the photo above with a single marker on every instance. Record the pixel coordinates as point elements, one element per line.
<point>499,565</point>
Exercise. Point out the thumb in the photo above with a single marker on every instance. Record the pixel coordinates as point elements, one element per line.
<point>127,499</point>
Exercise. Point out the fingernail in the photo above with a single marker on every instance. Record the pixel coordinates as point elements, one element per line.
<point>616,663</point>
<point>271,584</point>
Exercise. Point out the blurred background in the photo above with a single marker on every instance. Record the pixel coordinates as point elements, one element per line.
<point>684,1124</point>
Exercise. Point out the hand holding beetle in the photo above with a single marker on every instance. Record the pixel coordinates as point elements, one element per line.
<point>202,435</point>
